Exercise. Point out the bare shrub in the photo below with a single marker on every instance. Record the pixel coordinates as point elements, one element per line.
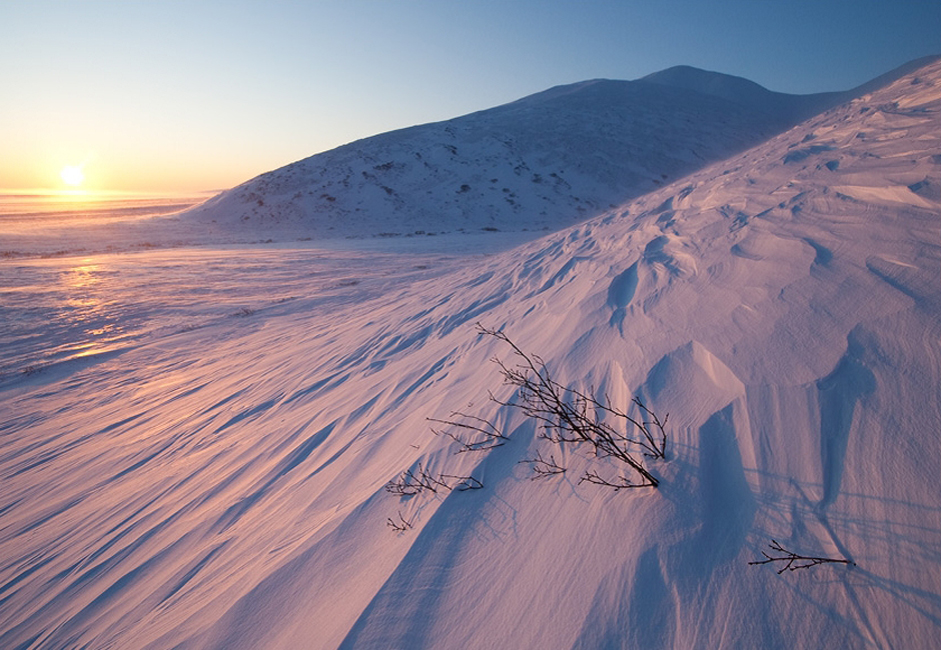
<point>620,483</point>
<point>543,468</point>
<point>462,483</point>
<point>400,525</point>
<point>569,415</point>
<point>412,482</point>
<point>487,435</point>
<point>794,561</point>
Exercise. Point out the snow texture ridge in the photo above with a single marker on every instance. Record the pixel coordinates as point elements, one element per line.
<point>223,487</point>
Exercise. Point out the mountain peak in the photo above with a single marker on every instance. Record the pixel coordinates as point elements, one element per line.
<point>717,84</point>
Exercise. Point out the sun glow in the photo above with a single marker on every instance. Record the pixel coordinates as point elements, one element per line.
<point>72,175</point>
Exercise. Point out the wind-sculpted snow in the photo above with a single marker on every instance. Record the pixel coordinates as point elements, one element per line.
<point>222,485</point>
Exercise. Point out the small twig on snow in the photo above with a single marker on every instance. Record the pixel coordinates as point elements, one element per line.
<point>399,526</point>
<point>492,437</point>
<point>795,561</point>
<point>543,468</point>
<point>622,483</point>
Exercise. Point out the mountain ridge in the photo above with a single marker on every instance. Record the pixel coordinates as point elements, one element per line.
<point>536,164</point>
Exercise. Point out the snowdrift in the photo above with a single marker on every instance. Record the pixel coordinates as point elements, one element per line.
<point>224,487</point>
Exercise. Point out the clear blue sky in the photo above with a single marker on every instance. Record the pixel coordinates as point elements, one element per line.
<point>199,95</point>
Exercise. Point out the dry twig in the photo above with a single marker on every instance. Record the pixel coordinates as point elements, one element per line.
<point>543,468</point>
<point>412,482</point>
<point>794,561</point>
<point>399,526</point>
<point>622,483</point>
<point>492,437</point>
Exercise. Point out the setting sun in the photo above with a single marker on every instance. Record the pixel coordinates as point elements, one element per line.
<point>72,175</point>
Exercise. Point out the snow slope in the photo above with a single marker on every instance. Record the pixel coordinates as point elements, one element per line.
<point>222,487</point>
<point>541,163</point>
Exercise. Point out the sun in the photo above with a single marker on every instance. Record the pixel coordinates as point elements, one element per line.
<point>72,175</point>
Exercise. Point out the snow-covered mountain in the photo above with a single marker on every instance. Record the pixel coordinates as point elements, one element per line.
<point>223,487</point>
<point>541,163</point>
<point>786,108</point>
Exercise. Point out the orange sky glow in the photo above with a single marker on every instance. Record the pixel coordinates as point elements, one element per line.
<point>203,95</point>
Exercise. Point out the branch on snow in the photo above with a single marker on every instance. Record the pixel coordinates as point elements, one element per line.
<point>794,561</point>
<point>491,436</point>
<point>412,482</point>
<point>569,415</point>
<point>400,525</point>
<point>543,468</point>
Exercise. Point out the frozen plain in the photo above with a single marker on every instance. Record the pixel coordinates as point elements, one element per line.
<point>215,478</point>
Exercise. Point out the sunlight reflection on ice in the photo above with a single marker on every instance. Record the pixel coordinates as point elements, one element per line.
<point>65,308</point>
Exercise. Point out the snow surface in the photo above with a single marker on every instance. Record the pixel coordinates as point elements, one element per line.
<point>217,480</point>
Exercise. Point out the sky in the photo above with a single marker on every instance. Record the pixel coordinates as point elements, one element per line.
<point>197,96</point>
